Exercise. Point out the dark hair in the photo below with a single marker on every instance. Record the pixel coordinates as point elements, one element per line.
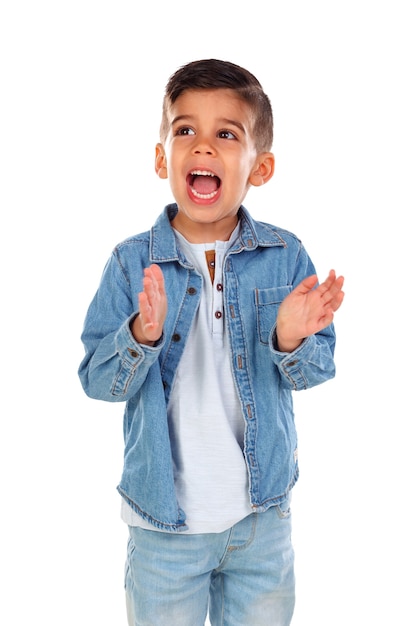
<point>215,74</point>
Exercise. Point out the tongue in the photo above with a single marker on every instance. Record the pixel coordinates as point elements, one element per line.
<point>205,184</point>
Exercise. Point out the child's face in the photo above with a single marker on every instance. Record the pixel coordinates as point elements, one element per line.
<point>210,160</point>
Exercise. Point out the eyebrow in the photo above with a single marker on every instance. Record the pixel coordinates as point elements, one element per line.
<point>222,121</point>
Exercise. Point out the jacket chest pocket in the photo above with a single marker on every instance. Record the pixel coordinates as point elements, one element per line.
<point>267,302</point>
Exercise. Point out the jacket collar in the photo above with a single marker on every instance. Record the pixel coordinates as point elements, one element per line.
<point>252,234</point>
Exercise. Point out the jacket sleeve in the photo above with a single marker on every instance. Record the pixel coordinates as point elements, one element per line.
<point>310,364</point>
<point>115,365</point>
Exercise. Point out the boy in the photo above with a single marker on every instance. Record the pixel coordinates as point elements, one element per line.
<point>204,326</point>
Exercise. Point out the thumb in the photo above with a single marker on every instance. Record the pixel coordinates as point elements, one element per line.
<point>307,284</point>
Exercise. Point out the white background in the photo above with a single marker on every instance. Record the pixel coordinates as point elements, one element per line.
<point>81,90</point>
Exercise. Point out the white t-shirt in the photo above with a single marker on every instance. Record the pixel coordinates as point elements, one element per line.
<point>205,418</point>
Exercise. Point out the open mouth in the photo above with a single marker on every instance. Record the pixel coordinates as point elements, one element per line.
<point>203,184</point>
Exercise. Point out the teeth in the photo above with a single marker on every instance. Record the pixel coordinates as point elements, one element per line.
<point>203,196</point>
<point>202,173</point>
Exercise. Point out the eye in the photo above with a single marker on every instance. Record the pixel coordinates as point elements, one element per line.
<point>185,130</point>
<point>226,134</point>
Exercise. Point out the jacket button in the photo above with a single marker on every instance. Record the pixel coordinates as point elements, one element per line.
<point>176,337</point>
<point>292,363</point>
<point>133,353</point>
<point>191,291</point>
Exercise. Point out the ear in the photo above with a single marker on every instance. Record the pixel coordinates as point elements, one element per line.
<point>263,169</point>
<point>160,161</point>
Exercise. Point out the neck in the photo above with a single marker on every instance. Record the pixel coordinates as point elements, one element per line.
<point>204,233</point>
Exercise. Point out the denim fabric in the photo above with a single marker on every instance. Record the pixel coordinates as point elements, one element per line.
<point>245,575</point>
<point>260,269</point>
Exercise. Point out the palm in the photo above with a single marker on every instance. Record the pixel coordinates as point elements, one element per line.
<point>306,311</point>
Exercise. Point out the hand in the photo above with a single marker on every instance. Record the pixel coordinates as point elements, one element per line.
<point>306,311</point>
<point>152,301</point>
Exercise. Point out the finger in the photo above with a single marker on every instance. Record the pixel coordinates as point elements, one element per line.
<point>326,319</point>
<point>157,276</point>
<point>144,308</point>
<point>326,284</point>
<point>147,313</point>
<point>149,291</point>
<point>331,286</point>
<point>153,280</point>
<point>336,287</point>
<point>335,282</point>
<point>337,301</point>
<point>334,302</point>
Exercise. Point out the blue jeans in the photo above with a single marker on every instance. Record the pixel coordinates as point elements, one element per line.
<point>243,576</point>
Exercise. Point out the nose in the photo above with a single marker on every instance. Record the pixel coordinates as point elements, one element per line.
<point>203,146</point>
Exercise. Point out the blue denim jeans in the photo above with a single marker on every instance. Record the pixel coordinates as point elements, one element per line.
<point>243,576</point>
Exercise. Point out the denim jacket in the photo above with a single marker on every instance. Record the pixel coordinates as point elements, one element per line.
<point>260,269</point>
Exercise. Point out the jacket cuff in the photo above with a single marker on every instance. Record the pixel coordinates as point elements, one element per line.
<point>131,351</point>
<point>291,364</point>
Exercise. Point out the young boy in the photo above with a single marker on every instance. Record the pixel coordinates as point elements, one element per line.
<point>204,326</point>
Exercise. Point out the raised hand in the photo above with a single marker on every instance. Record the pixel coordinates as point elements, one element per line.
<point>152,301</point>
<point>306,311</point>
